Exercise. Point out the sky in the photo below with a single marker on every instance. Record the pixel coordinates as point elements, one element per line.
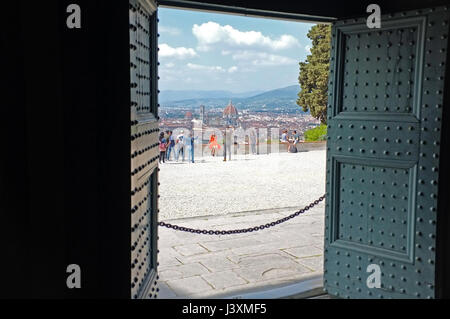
<point>209,51</point>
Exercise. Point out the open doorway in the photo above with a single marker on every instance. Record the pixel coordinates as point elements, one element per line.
<point>237,151</point>
<point>367,225</point>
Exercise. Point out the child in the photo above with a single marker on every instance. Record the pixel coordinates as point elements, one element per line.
<point>213,145</point>
<point>162,147</point>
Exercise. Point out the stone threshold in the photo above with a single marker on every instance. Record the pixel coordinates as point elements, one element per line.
<point>310,287</point>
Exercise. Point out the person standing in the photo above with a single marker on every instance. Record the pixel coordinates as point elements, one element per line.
<point>213,145</point>
<point>162,147</point>
<point>190,147</point>
<point>171,144</point>
<point>284,137</point>
<point>180,144</point>
<point>296,137</point>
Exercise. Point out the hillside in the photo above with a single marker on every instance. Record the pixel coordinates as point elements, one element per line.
<point>181,95</point>
<point>283,98</point>
<point>276,98</point>
<point>289,91</point>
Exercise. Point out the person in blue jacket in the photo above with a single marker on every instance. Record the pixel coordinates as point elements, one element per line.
<point>190,147</point>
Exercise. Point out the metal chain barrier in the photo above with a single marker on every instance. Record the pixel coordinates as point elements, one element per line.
<point>243,230</point>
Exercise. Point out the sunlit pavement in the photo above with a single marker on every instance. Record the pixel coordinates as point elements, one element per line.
<point>246,192</point>
<point>209,266</point>
<point>211,186</point>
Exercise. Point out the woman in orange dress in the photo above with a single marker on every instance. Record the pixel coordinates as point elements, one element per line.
<point>213,145</point>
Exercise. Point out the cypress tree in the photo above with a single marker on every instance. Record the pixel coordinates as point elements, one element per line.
<point>313,76</point>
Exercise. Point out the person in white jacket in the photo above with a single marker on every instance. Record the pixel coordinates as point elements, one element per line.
<point>180,145</point>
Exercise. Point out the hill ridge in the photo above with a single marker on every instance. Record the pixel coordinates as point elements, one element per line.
<point>284,97</point>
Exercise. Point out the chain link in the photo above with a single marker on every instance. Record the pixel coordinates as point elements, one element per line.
<point>243,230</point>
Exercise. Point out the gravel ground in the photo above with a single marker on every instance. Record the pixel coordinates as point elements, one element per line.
<point>247,183</point>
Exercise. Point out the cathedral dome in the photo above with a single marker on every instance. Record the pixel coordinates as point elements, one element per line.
<point>230,110</point>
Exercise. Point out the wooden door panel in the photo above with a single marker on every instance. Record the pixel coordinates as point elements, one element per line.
<point>385,110</point>
<point>144,148</point>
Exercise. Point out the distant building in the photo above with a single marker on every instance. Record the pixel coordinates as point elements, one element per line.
<point>230,115</point>
<point>188,115</point>
<point>313,124</point>
<point>203,116</point>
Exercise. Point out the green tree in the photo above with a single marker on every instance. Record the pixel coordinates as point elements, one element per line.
<point>314,73</point>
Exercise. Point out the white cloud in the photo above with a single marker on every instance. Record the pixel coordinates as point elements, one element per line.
<point>217,69</point>
<point>169,30</point>
<point>232,69</point>
<point>169,65</point>
<point>263,59</point>
<point>180,52</point>
<point>199,67</point>
<point>211,33</point>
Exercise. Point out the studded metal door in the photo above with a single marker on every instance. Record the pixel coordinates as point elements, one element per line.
<point>144,148</point>
<point>384,114</point>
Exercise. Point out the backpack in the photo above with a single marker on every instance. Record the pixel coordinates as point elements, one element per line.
<point>292,149</point>
<point>162,145</point>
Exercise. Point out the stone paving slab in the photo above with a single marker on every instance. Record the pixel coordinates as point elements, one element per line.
<point>304,251</point>
<point>169,257</point>
<point>265,272</point>
<point>216,264</point>
<point>190,249</point>
<point>200,266</point>
<point>202,257</point>
<point>187,286</point>
<point>297,237</point>
<point>230,243</point>
<point>313,263</point>
<point>269,246</point>
<point>182,271</point>
<point>224,279</point>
